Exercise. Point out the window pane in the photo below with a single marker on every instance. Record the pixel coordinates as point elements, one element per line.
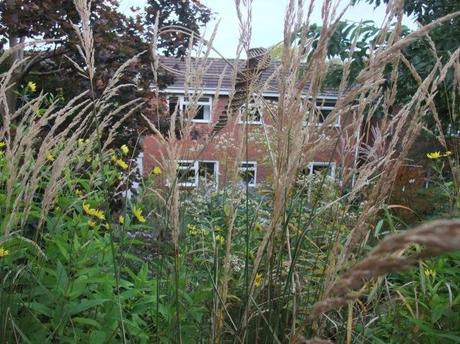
<point>247,173</point>
<point>326,102</point>
<point>207,172</point>
<point>186,173</point>
<point>172,104</point>
<point>203,113</point>
<point>322,168</point>
<point>199,113</point>
<point>186,176</point>
<point>247,176</point>
<point>323,115</point>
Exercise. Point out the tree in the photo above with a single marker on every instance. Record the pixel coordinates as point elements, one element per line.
<point>446,39</point>
<point>420,54</point>
<point>117,37</point>
<point>189,14</point>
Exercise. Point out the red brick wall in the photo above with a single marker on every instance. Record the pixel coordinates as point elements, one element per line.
<point>223,147</point>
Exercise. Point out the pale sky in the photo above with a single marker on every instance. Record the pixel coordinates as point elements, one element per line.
<point>267,20</point>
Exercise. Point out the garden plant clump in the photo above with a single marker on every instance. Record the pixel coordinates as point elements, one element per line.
<point>302,259</point>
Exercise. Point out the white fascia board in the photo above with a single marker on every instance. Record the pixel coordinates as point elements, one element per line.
<point>227,93</point>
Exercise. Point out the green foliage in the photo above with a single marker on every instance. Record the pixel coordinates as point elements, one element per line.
<point>423,305</point>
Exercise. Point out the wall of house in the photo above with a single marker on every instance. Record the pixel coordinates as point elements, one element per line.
<point>224,147</point>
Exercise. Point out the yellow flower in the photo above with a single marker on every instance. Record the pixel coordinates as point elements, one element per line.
<point>98,213</point>
<point>430,273</point>
<point>87,208</point>
<point>3,252</point>
<point>124,149</point>
<point>114,158</point>
<point>121,219</point>
<point>123,165</point>
<point>258,280</point>
<point>31,86</point>
<point>92,224</point>
<point>192,230</point>
<point>157,170</point>
<point>137,212</point>
<point>2,144</point>
<point>78,192</point>
<point>93,212</point>
<point>448,153</point>
<point>50,157</point>
<point>106,226</point>
<point>433,155</point>
<point>220,239</point>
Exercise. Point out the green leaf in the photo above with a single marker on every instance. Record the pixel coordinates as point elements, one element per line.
<point>40,308</point>
<point>78,287</point>
<point>62,248</point>
<point>61,277</point>
<point>87,321</point>
<point>97,337</point>
<point>378,228</point>
<point>84,305</point>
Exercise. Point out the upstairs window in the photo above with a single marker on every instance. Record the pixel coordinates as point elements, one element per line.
<point>203,110</point>
<point>248,173</point>
<point>325,107</point>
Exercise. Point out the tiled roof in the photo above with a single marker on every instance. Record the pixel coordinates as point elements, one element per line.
<point>217,67</point>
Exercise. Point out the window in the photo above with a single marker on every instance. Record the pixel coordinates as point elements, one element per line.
<point>195,173</point>
<point>319,167</point>
<point>251,113</point>
<point>187,173</point>
<point>208,172</point>
<point>203,111</point>
<point>325,107</point>
<point>248,173</point>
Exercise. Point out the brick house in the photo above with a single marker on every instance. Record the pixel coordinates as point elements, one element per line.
<point>203,159</point>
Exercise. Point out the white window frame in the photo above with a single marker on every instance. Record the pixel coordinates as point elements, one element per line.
<point>337,122</point>
<point>244,169</point>
<point>321,107</point>
<point>216,170</point>
<point>332,166</point>
<point>195,166</point>
<point>183,103</point>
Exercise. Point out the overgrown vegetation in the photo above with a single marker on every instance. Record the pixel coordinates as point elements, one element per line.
<point>82,260</point>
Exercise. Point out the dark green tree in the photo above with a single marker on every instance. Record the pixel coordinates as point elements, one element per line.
<point>446,39</point>
<point>117,37</point>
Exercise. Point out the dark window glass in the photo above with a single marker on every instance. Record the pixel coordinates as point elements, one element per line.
<point>186,173</point>
<point>207,171</point>
<point>200,113</point>
<point>247,173</point>
<point>323,115</point>
<point>172,104</point>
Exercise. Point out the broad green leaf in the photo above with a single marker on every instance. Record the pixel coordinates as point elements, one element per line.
<point>85,305</point>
